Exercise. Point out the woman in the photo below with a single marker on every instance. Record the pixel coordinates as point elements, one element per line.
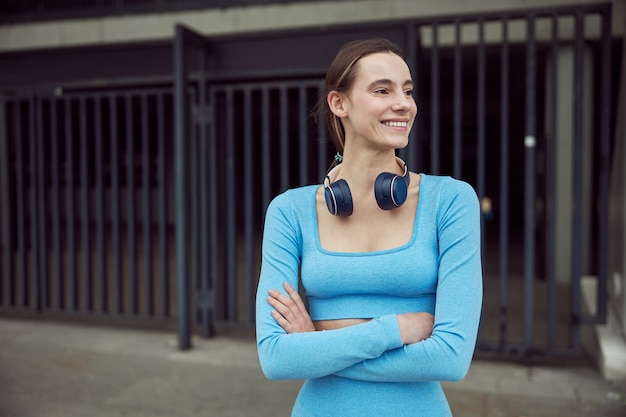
<point>393,277</point>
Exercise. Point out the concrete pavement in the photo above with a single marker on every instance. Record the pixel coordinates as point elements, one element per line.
<point>68,370</point>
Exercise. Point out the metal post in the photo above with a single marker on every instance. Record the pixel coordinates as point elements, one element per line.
<point>87,292</point>
<point>434,156</point>
<point>5,208</point>
<point>231,210</point>
<point>248,182</point>
<point>576,244</point>
<point>605,158</point>
<point>130,206</point>
<point>551,185</point>
<point>162,198</point>
<point>181,178</point>
<point>115,208</point>
<point>59,288</point>
<point>529,188</point>
<point>458,105</point>
<point>504,182</point>
<point>99,207</point>
<point>147,212</point>
<point>409,154</point>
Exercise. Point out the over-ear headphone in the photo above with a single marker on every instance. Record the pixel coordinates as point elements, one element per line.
<point>390,191</point>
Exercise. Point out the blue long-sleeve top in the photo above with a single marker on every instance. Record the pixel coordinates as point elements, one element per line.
<point>365,369</point>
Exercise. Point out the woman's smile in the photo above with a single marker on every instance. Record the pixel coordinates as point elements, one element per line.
<point>400,125</point>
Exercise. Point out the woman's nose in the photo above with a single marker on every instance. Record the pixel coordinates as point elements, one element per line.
<point>403,103</point>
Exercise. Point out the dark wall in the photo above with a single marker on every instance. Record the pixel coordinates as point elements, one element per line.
<point>90,66</point>
<point>296,52</point>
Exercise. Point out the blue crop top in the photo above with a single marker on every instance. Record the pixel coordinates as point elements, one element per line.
<point>437,271</point>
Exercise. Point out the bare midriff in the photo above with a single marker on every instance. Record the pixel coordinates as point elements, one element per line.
<point>337,324</point>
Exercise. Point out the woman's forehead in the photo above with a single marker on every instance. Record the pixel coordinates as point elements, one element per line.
<point>383,65</point>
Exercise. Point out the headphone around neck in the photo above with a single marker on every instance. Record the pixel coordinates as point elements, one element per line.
<point>390,191</point>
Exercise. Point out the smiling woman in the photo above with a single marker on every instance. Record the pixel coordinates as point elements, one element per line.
<point>389,260</point>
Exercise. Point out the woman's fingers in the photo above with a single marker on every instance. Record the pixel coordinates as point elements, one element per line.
<point>289,310</point>
<point>283,304</point>
<point>293,294</point>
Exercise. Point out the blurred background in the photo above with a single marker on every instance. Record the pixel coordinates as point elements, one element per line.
<point>141,140</point>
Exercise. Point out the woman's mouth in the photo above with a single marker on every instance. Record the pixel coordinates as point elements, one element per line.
<point>395,124</point>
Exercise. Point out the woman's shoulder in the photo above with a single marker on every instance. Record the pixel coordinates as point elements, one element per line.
<point>446,183</point>
<point>297,194</point>
<point>295,199</point>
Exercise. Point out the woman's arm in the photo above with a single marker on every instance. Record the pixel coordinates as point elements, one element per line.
<point>447,354</point>
<point>309,354</point>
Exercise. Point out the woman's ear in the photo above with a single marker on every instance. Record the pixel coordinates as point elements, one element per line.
<point>337,103</point>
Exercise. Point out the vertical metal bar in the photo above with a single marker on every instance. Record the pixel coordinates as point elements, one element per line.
<point>147,216</point>
<point>162,207</point>
<point>19,188</point>
<point>481,123</point>
<point>231,247</point>
<point>181,177</point>
<point>551,184</point>
<point>130,205</point>
<point>529,188</point>
<point>303,139</point>
<point>504,182</point>
<point>115,208</point>
<point>410,154</point>
<point>419,139</point>
<point>605,163</point>
<point>99,205</point>
<point>248,190</point>
<point>193,255</point>
<point>458,104</point>
<point>214,247</point>
<point>69,210</point>
<point>265,146</point>
<point>84,160</point>
<point>33,288</point>
<point>55,197</point>
<point>5,206</point>
<point>322,164</point>
<point>204,202</point>
<point>284,140</point>
<point>577,174</point>
<point>41,207</point>
<point>434,156</point>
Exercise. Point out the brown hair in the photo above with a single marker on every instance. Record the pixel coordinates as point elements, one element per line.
<point>341,75</point>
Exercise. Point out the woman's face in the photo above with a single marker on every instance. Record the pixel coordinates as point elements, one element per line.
<point>379,108</point>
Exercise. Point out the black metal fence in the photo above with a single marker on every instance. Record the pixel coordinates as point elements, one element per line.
<point>148,203</point>
<point>87,217</point>
<point>484,117</point>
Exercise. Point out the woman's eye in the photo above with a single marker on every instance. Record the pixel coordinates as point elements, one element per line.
<point>380,91</point>
<point>409,93</point>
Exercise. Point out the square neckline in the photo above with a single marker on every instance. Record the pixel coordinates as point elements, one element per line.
<point>408,244</point>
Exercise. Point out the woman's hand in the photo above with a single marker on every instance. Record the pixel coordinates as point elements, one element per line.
<point>289,311</point>
<point>415,327</point>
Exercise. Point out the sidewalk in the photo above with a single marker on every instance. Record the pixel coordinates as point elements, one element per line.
<point>66,370</point>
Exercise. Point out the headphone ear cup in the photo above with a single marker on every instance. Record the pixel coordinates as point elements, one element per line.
<point>338,198</point>
<point>390,190</point>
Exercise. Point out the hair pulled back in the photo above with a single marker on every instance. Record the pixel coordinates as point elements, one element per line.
<point>341,75</point>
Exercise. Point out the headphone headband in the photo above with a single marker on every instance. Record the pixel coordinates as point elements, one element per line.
<point>389,192</point>
<point>400,161</point>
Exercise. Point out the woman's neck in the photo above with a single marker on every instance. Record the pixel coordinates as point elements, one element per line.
<point>360,169</point>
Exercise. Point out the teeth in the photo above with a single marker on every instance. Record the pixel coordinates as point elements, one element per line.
<point>395,124</point>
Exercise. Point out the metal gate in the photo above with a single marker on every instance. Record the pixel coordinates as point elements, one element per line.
<point>111,208</point>
<point>86,220</point>
<point>483,118</point>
